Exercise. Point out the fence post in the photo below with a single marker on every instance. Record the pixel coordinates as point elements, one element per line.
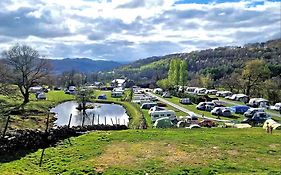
<point>6,126</point>
<point>46,131</point>
<point>93,120</point>
<point>112,122</point>
<point>69,120</point>
<point>116,120</point>
<point>98,119</point>
<point>104,120</point>
<point>47,124</point>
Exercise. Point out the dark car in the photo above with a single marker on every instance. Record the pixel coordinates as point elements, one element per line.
<point>258,118</point>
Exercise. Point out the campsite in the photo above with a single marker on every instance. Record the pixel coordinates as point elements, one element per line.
<point>148,87</point>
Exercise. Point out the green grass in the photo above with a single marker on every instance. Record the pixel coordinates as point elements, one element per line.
<point>159,151</point>
<point>35,113</point>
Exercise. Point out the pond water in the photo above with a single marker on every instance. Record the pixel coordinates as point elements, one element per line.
<point>100,114</point>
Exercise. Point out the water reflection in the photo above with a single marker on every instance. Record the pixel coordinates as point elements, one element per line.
<point>100,114</point>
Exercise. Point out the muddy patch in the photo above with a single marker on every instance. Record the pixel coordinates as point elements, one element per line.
<point>132,155</point>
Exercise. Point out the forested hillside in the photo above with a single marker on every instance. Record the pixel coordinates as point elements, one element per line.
<point>216,63</point>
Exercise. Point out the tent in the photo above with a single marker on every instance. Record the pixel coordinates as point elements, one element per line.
<point>272,123</point>
<point>163,122</point>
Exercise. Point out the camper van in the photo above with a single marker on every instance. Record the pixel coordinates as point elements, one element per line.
<point>163,113</point>
<point>259,102</point>
<point>148,105</point>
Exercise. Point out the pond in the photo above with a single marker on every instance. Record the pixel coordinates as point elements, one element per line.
<point>100,114</point>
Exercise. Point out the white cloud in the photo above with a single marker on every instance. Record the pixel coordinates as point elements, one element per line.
<point>133,29</point>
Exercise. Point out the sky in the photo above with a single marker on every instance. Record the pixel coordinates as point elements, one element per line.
<point>127,30</point>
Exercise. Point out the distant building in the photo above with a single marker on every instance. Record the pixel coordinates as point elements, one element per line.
<point>118,83</point>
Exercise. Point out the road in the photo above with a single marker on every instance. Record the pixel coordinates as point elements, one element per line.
<point>183,109</point>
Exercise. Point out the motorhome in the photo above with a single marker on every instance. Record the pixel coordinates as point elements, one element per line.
<point>163,113</point>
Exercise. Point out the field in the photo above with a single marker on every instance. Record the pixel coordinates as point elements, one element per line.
<point>173,151</point>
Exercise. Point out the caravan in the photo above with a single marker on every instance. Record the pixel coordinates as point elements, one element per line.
<point>148,105</point>
<point>116,94</point>
<point>163,113</point>
<point>259,102</point>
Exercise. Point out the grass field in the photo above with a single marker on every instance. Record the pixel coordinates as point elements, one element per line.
<point>157,151</point>
<point>35,111</point>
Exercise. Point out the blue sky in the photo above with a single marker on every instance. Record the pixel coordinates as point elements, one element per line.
<point>133,29</point>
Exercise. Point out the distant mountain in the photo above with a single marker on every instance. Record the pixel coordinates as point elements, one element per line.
<point>217,62</point>
<point>82,64</point>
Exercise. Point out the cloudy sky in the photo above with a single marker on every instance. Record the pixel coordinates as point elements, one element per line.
<point>126,30</point>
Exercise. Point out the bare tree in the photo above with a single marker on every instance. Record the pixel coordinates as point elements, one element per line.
<point>27,68</point>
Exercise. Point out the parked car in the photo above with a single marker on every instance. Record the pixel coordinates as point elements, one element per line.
<point>206,106</point>
<point>102,97</point>
<point>166,95</point>
<point>207,123</point>
<point>158,91</point>
<point>41,96</point>
<point>250,112</point>
<point>221,111</point>
<point>239,109</point>
<point>258,118</point>
<point>276,107</point>
<point>185,101</point>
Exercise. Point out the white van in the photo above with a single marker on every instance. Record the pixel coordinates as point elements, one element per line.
<point>163,113</point>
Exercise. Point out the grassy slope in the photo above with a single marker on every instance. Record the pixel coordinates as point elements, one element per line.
<point>34,120</point>
<point>173,151</point>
